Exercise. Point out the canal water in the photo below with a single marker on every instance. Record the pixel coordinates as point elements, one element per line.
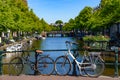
<point>50,43</point>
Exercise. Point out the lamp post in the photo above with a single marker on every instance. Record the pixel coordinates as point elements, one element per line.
<point>60,27</point>
<point>8,33</point>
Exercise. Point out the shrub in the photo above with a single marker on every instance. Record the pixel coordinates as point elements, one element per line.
<point>96,38</point>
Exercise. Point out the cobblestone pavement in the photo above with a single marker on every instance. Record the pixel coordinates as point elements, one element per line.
<point>53,77</point>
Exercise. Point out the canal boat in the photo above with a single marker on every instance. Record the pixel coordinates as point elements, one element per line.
<point>16,47</point>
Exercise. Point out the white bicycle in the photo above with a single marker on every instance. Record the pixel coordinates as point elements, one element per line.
<point>92,64</point>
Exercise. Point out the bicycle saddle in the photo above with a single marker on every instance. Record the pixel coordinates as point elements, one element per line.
<point>39,51</point>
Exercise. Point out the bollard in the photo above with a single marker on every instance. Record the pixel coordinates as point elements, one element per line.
<point>116,63</point>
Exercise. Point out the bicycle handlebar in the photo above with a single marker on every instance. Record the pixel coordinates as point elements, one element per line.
<point>69,42</point>
<point>75,43</point>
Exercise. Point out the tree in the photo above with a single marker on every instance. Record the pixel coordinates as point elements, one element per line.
<point>98,18</point>
<point>70,25</point>
<point>15,16</point>
<point>59,22</point>
<point>6,18</point>
<point>108,12</point>
<point>45,26</point>
<point>83,18</point>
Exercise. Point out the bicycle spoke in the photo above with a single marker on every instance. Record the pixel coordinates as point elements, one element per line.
<point>15,66</point>
<point>46,66</point>
<point>62,65</point>
<point>96,69</point>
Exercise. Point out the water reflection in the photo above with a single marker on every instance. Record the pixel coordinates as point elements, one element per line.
<point>55,44</point>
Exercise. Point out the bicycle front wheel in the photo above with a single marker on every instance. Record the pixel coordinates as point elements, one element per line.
<point>62,65</point>
<point>15,66</point>
<point>94,67</point>
<point>46,65</point>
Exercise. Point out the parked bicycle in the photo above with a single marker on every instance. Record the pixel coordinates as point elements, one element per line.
<point>43,64</point>
<point>91,64</point>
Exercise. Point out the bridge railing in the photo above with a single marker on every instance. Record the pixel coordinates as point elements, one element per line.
<point>115,63</point>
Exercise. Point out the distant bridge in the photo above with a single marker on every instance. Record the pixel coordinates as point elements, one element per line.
<point>60,34</point>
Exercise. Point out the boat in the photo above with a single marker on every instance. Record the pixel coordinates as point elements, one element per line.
<point>16,47</point>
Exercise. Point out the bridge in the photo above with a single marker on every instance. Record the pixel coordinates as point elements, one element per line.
<point>60,34</point>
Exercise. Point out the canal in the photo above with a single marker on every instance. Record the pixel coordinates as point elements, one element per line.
<point>50,43</point>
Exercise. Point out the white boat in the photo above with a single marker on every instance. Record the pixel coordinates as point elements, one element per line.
<point>43,37</point>
<point>10,48</point>
<point>16,47</point>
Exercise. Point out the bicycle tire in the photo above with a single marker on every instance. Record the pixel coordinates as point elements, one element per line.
<point>45,65</point>
<point>62,65</point>
<point>95,68</point>
<point>15,66</point>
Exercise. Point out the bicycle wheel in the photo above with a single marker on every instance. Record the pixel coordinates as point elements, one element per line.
<point>62,65</point>
<point>94,67</point>
<point>15,66</point>
<point>46,65</point>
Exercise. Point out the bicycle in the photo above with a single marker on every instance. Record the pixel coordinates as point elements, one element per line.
<point>91,64</point>
<point>43,64</point>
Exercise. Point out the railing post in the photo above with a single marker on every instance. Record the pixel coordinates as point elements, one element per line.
<point>36,56</point>
<point>116,63</point>
<point>74,69</point>
<point>74,73</point>
<point>1,52</point>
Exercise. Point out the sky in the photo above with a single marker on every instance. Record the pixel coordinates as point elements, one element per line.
<point>53,10</point>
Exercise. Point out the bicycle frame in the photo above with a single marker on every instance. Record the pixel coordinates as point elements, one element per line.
<point>79,64</point>
<point>28,62</point>
<point>90,64</point>
<point>31,64</point>
<point>40,65</point>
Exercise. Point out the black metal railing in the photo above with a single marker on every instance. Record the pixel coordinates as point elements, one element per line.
<point>115,63</point>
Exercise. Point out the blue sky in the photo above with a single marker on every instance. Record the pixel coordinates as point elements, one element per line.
<point>52,10</point>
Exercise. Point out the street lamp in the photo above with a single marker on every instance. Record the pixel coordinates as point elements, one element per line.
<point>8,33</point>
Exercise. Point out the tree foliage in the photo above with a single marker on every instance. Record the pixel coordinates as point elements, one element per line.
<point>70,25</point>
<point>102,16</point>
<point>83,18</point>
<point>59,22</point>
<point>16,16</point>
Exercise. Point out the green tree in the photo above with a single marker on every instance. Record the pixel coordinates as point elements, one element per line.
<point>83,18</point>
<point>70,25</point>
<point>59,22</point>
<point>16,16</point>
<point>6,18</point>
<point>45,26</point>
<point>98,18</point>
